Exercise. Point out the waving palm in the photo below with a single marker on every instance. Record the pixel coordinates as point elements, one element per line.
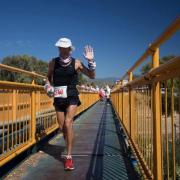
<point>88,53</point>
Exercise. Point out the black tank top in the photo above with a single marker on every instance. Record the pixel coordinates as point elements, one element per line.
<point>66,76</point>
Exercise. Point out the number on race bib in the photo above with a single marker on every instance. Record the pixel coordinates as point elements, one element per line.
<point>60,91</point>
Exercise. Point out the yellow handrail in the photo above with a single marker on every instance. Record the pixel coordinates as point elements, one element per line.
<point>173,27</point>
<point>18,70</point>
<point>144,104</point>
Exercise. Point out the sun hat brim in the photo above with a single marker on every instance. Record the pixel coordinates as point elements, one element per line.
<point>72,47</point>
<point>64,43</point>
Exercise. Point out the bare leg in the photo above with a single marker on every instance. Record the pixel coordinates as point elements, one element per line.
<point>61,120</point>
<point>71,111</point>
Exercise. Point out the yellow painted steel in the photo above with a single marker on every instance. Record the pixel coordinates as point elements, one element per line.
<point>145,123</point>
<point>131,112</point>
<point>173,27</point>
<point>33,114</point>
<point>172,130</point>
<point>157,148</point>
<point>166,132</point>
<point>14,69</point>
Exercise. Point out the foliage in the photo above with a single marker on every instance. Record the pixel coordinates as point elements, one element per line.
<point>162,60</point>
<point>28,63</point>
<point>24,62</point>
<point>82,79</point>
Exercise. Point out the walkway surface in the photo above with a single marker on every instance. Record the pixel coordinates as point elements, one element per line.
<point>98,152</point>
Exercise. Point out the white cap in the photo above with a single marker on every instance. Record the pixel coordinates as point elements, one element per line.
<point>64,43</point>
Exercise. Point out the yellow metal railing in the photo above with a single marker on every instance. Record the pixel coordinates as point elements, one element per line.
<point>149,109</point>
<point>27,114</point>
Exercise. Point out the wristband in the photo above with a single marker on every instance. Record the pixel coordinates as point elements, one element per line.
<point>92,65</point>
<point>49,89</point>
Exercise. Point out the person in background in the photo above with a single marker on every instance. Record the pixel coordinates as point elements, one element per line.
<point>101,94</point>
<point>108,92</point>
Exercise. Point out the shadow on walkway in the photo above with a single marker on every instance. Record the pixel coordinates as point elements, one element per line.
<point>54,151</point>
<point>110,159</point>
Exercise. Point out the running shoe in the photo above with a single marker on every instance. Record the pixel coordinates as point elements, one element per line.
<point>68,164</point>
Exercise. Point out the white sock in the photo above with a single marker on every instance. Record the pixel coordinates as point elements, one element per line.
<point>68,156</point>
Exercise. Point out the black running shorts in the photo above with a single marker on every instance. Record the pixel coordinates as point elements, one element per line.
<point>61,104</point>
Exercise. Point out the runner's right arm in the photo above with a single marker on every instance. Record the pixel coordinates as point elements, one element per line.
<point>50,72</point>
<point>49,89</point>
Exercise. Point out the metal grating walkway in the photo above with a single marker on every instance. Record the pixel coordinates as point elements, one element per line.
<point>98,152</point>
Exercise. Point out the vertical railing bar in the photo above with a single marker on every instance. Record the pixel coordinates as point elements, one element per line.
<point>149,150</point>
<point>145,150</point>
<point>27,125</point>
<point>22,116</point>
<point>151,130</point>
<point>18,113</point>
<point>140,118</point>
<point>3,117</point>
<point>130,105</point>
<point>16,117</point>
<point>148,128</point>
<point>25,119</point>
<point>166,132</point>
<point>137,117</point>
<point>157,143</point>
<point>8,120</point>
<point>26,114</point>
<point>118,108</point>
<point>179,108</point>
<point>130,110</point>
<point>13,116</point>
<point>143,114</point>
<point>123,106</point>
<point>160,99</point>
<point>141,124</point>
<point>144,109</point>
<point>152,145</point>
<point>172,130</point>
<point>33,113</point>
<point>146,137</point>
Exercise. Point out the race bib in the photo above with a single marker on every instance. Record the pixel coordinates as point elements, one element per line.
<point>60,91</point>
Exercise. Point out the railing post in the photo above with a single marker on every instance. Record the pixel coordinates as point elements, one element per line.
<point>33,113</point>
<point>115,95</point>
<point>122,104</point>
<point>14,104</point>
<point>130,105</point>
<point>118,107</point>
<point>157,144</point>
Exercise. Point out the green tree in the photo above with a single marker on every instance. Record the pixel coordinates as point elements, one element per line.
<point>28,63</point>
<point>24,62</point>
<point>148,66</point>
<point>82,79</point>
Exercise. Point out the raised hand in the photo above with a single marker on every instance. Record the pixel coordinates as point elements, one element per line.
<point>88,53</point>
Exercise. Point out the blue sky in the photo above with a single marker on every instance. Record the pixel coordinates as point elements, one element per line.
<point>119,30</point>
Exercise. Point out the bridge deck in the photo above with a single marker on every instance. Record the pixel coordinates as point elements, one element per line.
<point>98,151</point>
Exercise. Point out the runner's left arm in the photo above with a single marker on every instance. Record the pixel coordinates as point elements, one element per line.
<point>89,55</point>
<point>82,68</point>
